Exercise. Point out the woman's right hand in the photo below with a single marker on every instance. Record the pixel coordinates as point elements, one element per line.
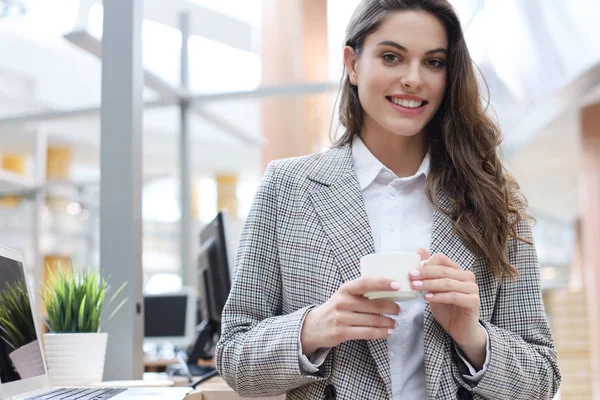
<point>348,315</point>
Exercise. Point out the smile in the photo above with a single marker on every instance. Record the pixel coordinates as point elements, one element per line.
<point>407,107</point>
<point>406,103</point>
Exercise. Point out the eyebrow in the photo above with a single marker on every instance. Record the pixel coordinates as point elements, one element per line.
<point>404,49</point>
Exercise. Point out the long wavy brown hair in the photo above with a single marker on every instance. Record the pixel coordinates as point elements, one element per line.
<point>463,140</point>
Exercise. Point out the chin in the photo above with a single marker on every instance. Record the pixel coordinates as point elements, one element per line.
<point>406,130</point>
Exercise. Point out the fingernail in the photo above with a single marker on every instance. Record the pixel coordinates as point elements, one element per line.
<point>395,285</point>
<point>415,272</point>
<point>418,283</point>
<point>390,331</point>
<point>395,324</point>
<point>428,295</point>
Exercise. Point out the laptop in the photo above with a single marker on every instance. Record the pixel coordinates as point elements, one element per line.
<point>36,384</point>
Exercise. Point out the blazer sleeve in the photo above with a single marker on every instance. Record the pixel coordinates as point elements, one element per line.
<point>257,354</point>
<point>523,360</point>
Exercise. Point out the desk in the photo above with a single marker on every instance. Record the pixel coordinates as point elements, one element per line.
<point>160,364</point>
<point>213,389</point>
<point>157,364</point>
<point>216,389</point>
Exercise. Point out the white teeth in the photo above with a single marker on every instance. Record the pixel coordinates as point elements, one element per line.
<point>407,103</point>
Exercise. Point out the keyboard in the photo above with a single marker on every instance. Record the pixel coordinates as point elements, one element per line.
<point>78,394</point>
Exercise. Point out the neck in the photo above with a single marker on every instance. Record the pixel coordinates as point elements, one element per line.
<point>401,154</point>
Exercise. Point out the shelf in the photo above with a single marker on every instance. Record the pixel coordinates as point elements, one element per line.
<point>72,191</point>
<point>12,183</point>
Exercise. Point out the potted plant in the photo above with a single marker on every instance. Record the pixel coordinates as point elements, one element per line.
<point>18,331</point>
<point>76,347</point>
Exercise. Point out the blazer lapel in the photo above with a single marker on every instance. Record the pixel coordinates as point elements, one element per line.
<point>340,206</point>
<point>437,342</point>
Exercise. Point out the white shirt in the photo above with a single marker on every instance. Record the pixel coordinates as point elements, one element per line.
<point>401,219</point>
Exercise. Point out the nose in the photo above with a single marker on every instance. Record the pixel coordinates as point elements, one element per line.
<point>412,78</point>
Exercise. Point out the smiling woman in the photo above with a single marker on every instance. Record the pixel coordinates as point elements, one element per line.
<point>417,171</point>
<point>422,56</point>
<point>393,81</point>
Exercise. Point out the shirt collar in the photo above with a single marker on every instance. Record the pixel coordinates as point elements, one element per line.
<point>368,167</point>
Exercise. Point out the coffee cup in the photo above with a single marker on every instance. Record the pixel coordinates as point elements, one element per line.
<point>392,265</point>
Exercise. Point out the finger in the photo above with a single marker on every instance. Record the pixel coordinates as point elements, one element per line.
<point>362,333</point>
<point>360,286</point>
<point>469,301</point>
<point>442,259</point>
<point>440,271</point>
<point>445,285</point>
<point>376,306</point>
<point>424,254</point>
<point>366,320</point>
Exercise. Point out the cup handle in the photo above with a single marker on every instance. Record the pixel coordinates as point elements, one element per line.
<point>422,263</point>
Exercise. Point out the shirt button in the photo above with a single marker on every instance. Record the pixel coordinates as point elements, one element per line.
<point>390,228</point>
<point>391,354</point>
<point>392,191</point>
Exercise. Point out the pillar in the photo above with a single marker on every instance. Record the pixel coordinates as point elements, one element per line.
<point>13,163</point>
<point>58,164</point>
<point>195,201</point>
<point>294,50</point>
<point>227,194</point>
<point>121,182</point>
<point>576,268</point>
<point>58,167</point>
<point>590,130</point>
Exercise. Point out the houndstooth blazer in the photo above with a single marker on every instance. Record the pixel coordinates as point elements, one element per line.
<point>303,238</point>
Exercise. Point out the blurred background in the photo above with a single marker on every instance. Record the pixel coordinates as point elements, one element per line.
<point>256,80</point>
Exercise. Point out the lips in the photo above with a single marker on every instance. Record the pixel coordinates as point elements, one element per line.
<point>407,107</point>
<point>410,102</point>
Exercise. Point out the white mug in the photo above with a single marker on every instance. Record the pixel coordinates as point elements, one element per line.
<point>392,265</point>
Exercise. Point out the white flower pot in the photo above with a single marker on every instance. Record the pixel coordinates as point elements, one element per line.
<point>75,359</point>
<point>28,360</point>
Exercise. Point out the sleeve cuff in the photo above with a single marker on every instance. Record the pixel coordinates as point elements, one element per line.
<point>311,365</point>
<point>476,376</point>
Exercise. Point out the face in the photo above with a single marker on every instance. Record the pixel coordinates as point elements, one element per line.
<point>400,72</point>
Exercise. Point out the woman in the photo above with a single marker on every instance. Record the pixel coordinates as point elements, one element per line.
<point>416,169</point>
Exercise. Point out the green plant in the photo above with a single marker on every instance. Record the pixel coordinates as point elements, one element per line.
<point>74,301</point>
<point>16,321</point>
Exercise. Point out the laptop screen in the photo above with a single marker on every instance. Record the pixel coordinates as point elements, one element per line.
<point>20,355</point>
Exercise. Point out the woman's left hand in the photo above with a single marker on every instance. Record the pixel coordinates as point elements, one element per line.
<point>453,296</point>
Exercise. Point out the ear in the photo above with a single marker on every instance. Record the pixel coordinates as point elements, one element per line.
<point>351,64</point>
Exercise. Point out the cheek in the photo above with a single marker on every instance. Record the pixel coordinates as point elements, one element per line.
<point>374,79</point>
<point>438,88</point>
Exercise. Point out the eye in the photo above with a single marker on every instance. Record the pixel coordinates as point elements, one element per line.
<point>390,57</point>
<point>437,64</point>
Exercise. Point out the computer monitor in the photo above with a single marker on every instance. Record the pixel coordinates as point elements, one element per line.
<point>214,266</point>
<point>170,318</point>
<point>215,278</point>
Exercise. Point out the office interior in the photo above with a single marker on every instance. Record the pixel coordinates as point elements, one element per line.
<point>156,193</point>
